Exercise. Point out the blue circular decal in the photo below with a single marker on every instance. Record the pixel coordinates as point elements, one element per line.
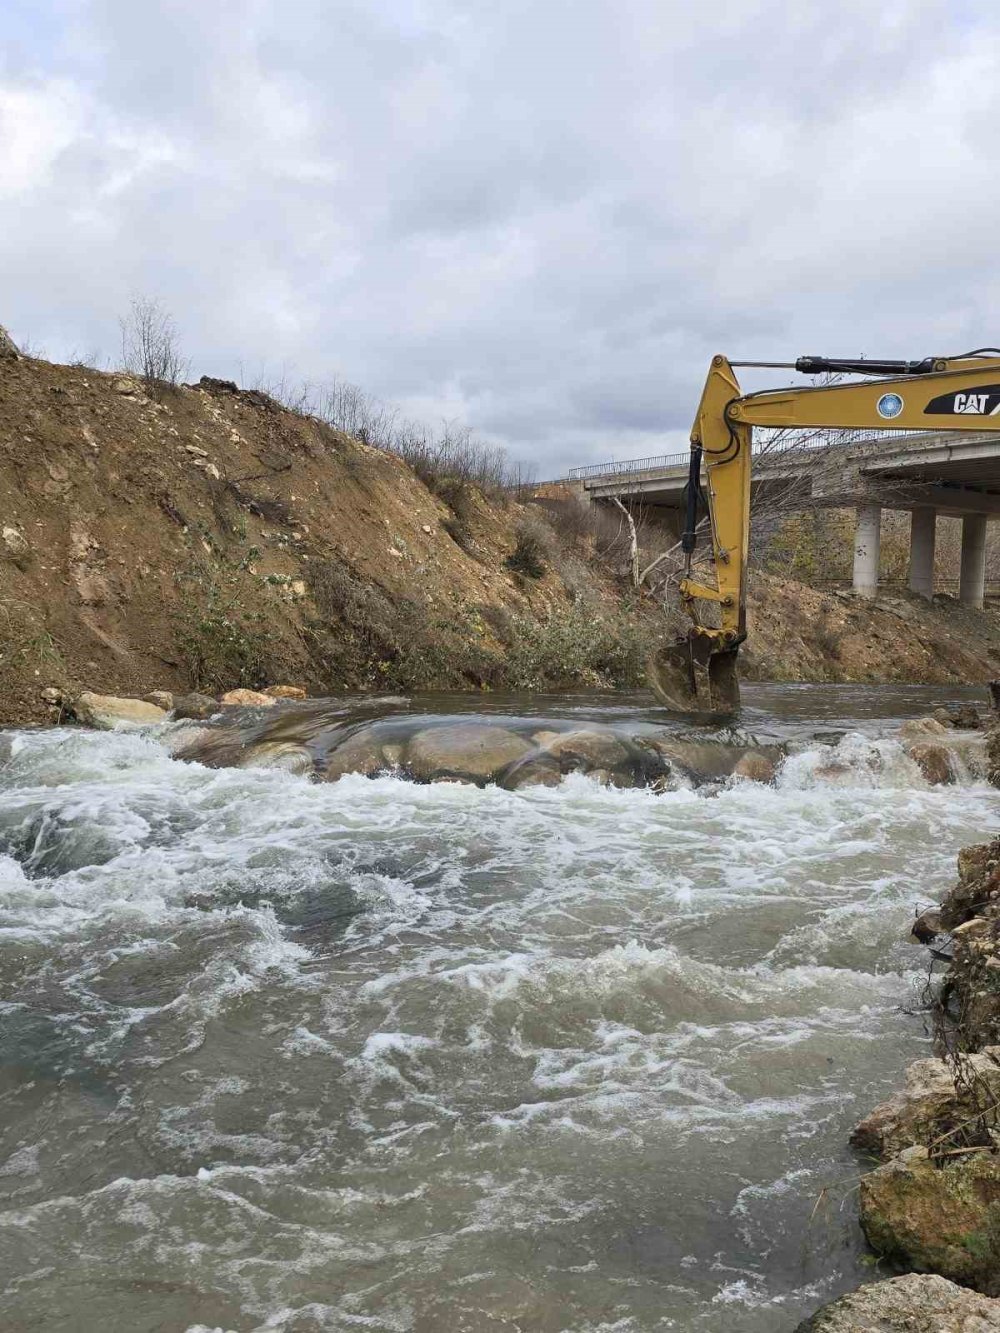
<point>890,405</point>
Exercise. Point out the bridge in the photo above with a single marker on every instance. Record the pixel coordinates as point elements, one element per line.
<point>957,475</point>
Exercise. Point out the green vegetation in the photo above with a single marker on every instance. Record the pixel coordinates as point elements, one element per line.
<point>222,621</point>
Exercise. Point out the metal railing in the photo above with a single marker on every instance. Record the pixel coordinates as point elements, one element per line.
<point>615,469</point>
<point>770,444</point>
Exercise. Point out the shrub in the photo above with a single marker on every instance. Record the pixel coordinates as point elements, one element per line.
<point>150,345</point>
<point>528,556</point>
<point>578,646</point>
<point>222,627</point>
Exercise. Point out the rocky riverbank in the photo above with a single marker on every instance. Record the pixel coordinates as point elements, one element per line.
<point>931,1205</point>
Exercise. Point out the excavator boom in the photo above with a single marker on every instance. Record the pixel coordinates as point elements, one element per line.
<point>697,674</point>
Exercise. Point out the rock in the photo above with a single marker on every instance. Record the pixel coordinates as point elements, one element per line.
<point>128,388</point>
<point>920,728</point>
<point>941,1219</point>
<point>15,544</point>
<point>194,705</point>
<point>52,695</point>
<point>930,1104</point>
<point>754,767</point>
<point>978,925</point>
<point>934,762</point>
<point>8,347</point>
<point>533,772</point>
<point>186,740</point>
<point>973,861</point>
<point>584,750</point>
<point>927,926</point>
<point>285,692</point>
<point>961,717</point>
<point>361,753</point>
<point>978,876</point>
<point>107,711</point>
<point>217,387</point>
<point>247,699</point>
<point>463,750</point>
<point>161,698</point>
<point>965,716</point>
<point>286,755</point>
<point>916,1303</point>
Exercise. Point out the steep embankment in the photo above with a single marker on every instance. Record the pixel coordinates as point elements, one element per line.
<point>800,633</point>
<point>207,537</point>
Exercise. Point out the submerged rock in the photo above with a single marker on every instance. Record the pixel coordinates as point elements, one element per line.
<point>533,772</point>
<point>361,753</point>
<point>755,768</point>
<point>464,750</point>
<point>916,1303</point>
<point>107,711</point>
<point>286,755</point>
<point>585,750</point>
<point>937,1218</point>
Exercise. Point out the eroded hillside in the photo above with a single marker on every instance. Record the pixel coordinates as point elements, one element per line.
<point>206,537</point>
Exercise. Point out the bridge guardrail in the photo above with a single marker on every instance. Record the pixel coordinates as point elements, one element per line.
<point>793,442</point>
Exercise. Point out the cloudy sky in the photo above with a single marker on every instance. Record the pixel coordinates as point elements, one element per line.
<point>540,217</point>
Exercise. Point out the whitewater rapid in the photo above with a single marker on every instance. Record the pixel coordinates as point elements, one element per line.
<point>297,1056</point>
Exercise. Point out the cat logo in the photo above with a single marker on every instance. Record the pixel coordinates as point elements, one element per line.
<point>984,403</point>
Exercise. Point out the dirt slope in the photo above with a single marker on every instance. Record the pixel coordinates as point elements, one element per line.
<point>799,633</point>
<point>206,537</point>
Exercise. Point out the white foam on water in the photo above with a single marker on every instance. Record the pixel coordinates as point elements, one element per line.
<point>436,1048</point>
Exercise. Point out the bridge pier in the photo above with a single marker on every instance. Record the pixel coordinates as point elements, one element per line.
<point>867,544</point>
<point>923,529</point>
<point>972,575</point>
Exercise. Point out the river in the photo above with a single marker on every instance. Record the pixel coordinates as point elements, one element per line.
<point>373,1055</point>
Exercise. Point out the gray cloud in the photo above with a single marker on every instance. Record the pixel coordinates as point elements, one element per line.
<point>543,219</point>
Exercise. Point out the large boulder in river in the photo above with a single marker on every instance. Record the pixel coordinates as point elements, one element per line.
<point>584,749</point>
<point>108,711</point>
<point>916,1303</point>
<point>932,1102</point>
<point>288,756</point>
<point>195,706</point>
<point>934,763</point>
<point>361,753</point>
<point>467,751</point>
<point>937,1216</point>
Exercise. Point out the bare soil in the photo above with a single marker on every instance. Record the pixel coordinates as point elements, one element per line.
<point>205,537</point>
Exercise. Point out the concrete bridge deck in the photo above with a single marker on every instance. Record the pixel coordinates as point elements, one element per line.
<point>927,473</point>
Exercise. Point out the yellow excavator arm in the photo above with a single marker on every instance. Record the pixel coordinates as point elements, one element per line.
<point>698,673</point>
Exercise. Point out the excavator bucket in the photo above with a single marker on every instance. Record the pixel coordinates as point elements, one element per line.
<point>695,675</point>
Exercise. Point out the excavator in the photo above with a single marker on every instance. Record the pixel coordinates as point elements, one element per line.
<point>697,673</point>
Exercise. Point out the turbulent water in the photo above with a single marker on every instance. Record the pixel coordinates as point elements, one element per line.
<point>374,1055</point>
